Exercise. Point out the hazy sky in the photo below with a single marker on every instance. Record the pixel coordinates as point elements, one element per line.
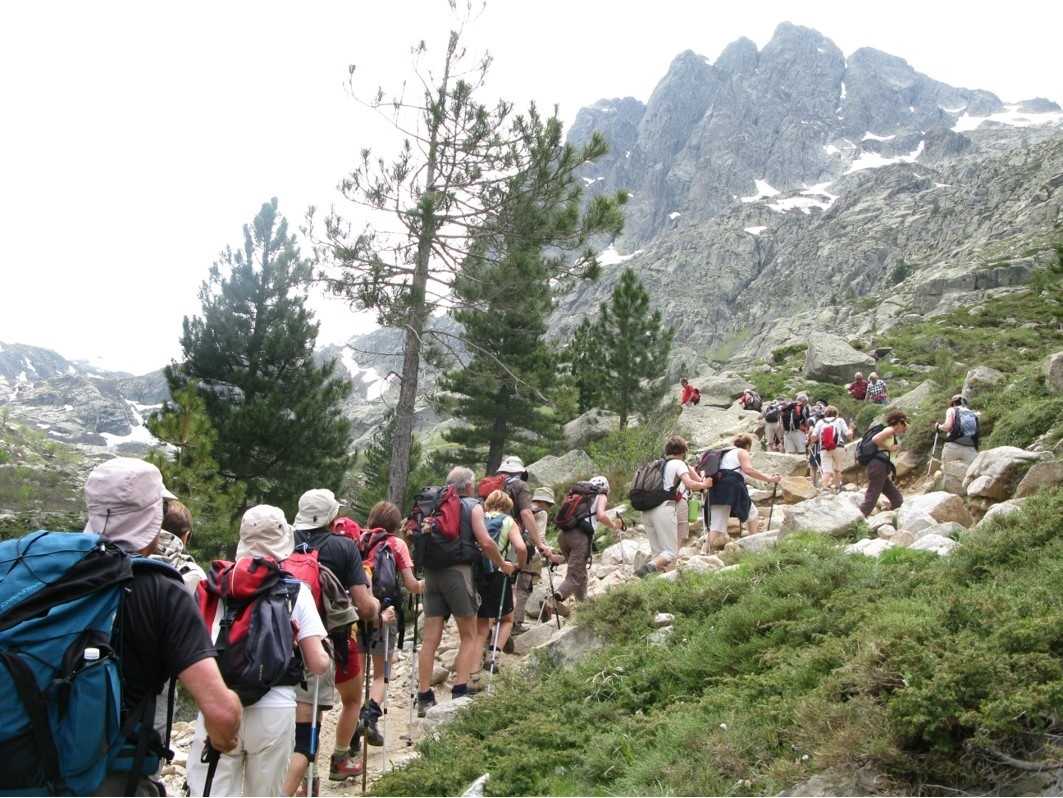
<point>138,138</point>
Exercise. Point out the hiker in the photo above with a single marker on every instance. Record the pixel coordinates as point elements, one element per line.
<point>493,586</point>
<point>879,468</point>
<point>771,415</point>
<point>162,632</point>
<point>258,764</point>
<point>318,509</point>
<point>858,387</point>
<point>729,495</point>
<point>832,446</point>
<point>449,591</point>
<point>173,543</point>
<point>660,522</point>
<point>877,393</point>
<point>523,513</point>
<point>686,401</point>
<point>794,416</point>
<point>576,544</point>
<point>960,445</point>
<point>383,517</point>
<point>542,502</point>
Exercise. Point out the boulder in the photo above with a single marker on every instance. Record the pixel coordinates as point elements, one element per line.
<point>995,473</point>
<point>952,475</point>
<point>869,547</point>
<point>567,468</point>
<point>979,380</point>
<point>706,427</point>
<point>902,539</point>
<point>1040,475</point>
<point>935,543</point>
<point>998,511</point>
<point>1054,373</point>
<point>912,400</point>
<point>593,425</point>
<point>571,643</point>
<point>721,390</point>
<point>797,489</point>
<point>940,506</point>
<point>831,515</point>
<point>762,541</point>
<point>829,358</point>
<point>949,529</point>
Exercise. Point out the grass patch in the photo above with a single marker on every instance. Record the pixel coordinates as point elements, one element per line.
<point>802,660</point>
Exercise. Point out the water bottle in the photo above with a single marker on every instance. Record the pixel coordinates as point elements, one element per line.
<point>92,656</point>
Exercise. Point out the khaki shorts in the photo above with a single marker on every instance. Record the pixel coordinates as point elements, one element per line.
<point>449,591</point>
<point>326,695</point>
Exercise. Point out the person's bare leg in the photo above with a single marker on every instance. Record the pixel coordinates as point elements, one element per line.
<point>426,657</point>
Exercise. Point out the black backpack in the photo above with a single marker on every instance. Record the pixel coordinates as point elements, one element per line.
<point>386,581</point>
<point>793,416</point>
<point>866,450</point>
<point>773,412</point>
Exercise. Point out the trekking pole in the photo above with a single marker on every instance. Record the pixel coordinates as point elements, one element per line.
<point>550,576</point>
<point>930,465</point>
<point>384,701</point>
<point>314,730</point>
<point>367,637</point>
<point>210,757</point>
<point>771,510</point>
<point>414,671</point>
<point>498,628</point>
<point>623,528</point>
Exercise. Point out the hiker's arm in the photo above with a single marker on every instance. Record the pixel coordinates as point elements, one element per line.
<point>527,520</point>
<point>315,658</point>
<point>487,545</point>
<point>220,706</point>
<point>882,437</point>
<point>601,502</point>
<point>746,462</point>
<point>412,584</point>
<point>365,602</point>
<point>950,414</point>
<point>517,539</point>
<point>692,483</point>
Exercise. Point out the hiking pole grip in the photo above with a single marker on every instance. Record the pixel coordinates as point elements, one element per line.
<point>209,757</point>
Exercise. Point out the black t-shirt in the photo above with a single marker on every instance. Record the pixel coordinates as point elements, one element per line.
<point>162,634</point>
<point>338,552</point>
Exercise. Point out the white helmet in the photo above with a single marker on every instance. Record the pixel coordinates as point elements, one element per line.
<point>601,483</point>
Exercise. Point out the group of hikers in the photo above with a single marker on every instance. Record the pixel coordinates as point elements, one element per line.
<point>327,592</point>
<point>801,427</point>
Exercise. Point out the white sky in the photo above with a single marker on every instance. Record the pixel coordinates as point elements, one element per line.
<point>138,138</point>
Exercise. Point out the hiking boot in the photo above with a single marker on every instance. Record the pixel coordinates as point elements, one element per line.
<point>315,787</point>
<point>508,647</point>
<point>517,630</point>
<point>461,690</point>
<point>645,570</point>
<point>371,713</point>
<point>343,767</point>
<point>425,701</point>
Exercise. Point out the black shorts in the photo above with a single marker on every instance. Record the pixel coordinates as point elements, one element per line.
<point>493,588</point>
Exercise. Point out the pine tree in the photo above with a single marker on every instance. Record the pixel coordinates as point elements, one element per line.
<point>506,390</point>
<point>634,349</point>
<point>278,414</point>
<point>192,473</point>
<point>444,187</point>
<point>583,364</point>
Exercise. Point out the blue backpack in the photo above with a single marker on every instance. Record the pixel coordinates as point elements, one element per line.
<point>62,728</point>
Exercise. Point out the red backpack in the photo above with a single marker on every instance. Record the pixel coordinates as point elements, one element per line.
<point>828,437</point>
<point>256,643</point>
<point>577,506</point>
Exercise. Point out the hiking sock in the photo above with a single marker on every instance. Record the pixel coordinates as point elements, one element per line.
<point>458,690</point>
<point>337,751</point>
